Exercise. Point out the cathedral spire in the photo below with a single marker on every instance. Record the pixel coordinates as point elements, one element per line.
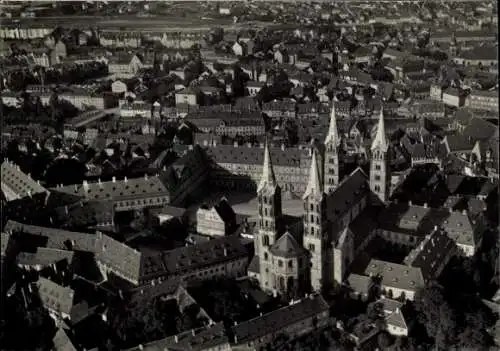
<point>333,134</point>
<point>268,177</point>
<point>380,141</point>
<point>314,183</point>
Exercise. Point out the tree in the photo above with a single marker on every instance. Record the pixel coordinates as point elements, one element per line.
<point>383,340</point>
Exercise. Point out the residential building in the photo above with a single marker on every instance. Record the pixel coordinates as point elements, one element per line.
<point>228,123</point>
<point>16,184</point>
<point>209,338</point>
<point>483,100</point>
<point>380,173</point>
<point>187,96</point>
<point>298,318</point>
<point>218,220</point>
<point>126,194</point>
<point>453,97</point>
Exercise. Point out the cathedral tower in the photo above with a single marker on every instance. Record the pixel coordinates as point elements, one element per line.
<point>331,174</point>
<point>380,173</point>
<point>269,199</point>
<point>314,221</point>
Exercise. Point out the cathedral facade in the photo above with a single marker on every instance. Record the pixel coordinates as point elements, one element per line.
<point>318,257</point>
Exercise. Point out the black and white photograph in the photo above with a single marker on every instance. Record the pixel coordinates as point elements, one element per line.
<point>249,175</point>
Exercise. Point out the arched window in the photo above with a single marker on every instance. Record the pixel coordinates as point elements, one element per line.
<point>282,283</point>
<point>265,240</point>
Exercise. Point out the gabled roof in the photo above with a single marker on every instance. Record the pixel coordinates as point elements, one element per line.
<point>55,297</point>
<point>62,342</point>
<point>207,338</point>
<point>122,259</point>
<point>396,275</point>
<point>56,238</point>
<point>350,190</point>
<point>16,184</point>
<point>286,246</point>
<point>389,305</point>
<point>479,129</point>
<point>278,320</point>
<point>396,319</point>
<point>360,283</point>
<point>44,257</point>
<point>118,189</point>
<point>428,255</point>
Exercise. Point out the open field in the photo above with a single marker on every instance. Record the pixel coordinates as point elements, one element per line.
<point>246,204</point>
<point>131,23</point>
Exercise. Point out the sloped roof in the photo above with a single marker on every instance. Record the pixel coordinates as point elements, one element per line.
<point>56,238</point>
<point>54,296</point>
<point>286,246</point>
<point>122,259</point>
<point>291,157</point>
<point>119,189</point>
<point>207,338</point>
<point>350,191</point>
<point>396,319</point>
<point>479,129</point>
<point>277,320</point>
<point>16,184</point>
<point>44,257</point>
<point>360,283</point>
<point>62,342</point>
<point>429,254</point>
<point>396,275</point>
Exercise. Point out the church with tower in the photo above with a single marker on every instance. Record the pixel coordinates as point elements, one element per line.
<point>318,256</point>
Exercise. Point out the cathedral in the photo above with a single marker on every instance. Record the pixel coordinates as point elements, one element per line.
<point>319,255</point>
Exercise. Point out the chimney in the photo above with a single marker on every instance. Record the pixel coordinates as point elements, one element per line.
<point>249,144</point>
<point>125,179</point>
<point>193,332</point>
<point>225,252</point>
<point>113,179</point>
<point>66,209</point>
<point>283,147</point>
<point>214,142</point>
<point>235,144</point>
<point>85,186</point>
<point>176,338</point>
<point>145,176</point>
<point>99,181</point>
<point>435,227</point>
<point>76,188</point>
<point>425,205</point>
<point>464,212</point>
<point>451,209</point>
<point>29,193</point>
<point>410,203</point>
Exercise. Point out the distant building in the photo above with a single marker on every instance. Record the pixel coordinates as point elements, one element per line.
<point>218,220</point>
<point>187,96</point>
<point>453,97</point>
<point>483,100</point>
<point>297,319</point>
<point>16,184</point>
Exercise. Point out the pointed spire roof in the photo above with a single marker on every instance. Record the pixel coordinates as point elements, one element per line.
<point>333,134</point>
<point>314,183</point>
<point>268,177</point>
<point>380,141</point>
